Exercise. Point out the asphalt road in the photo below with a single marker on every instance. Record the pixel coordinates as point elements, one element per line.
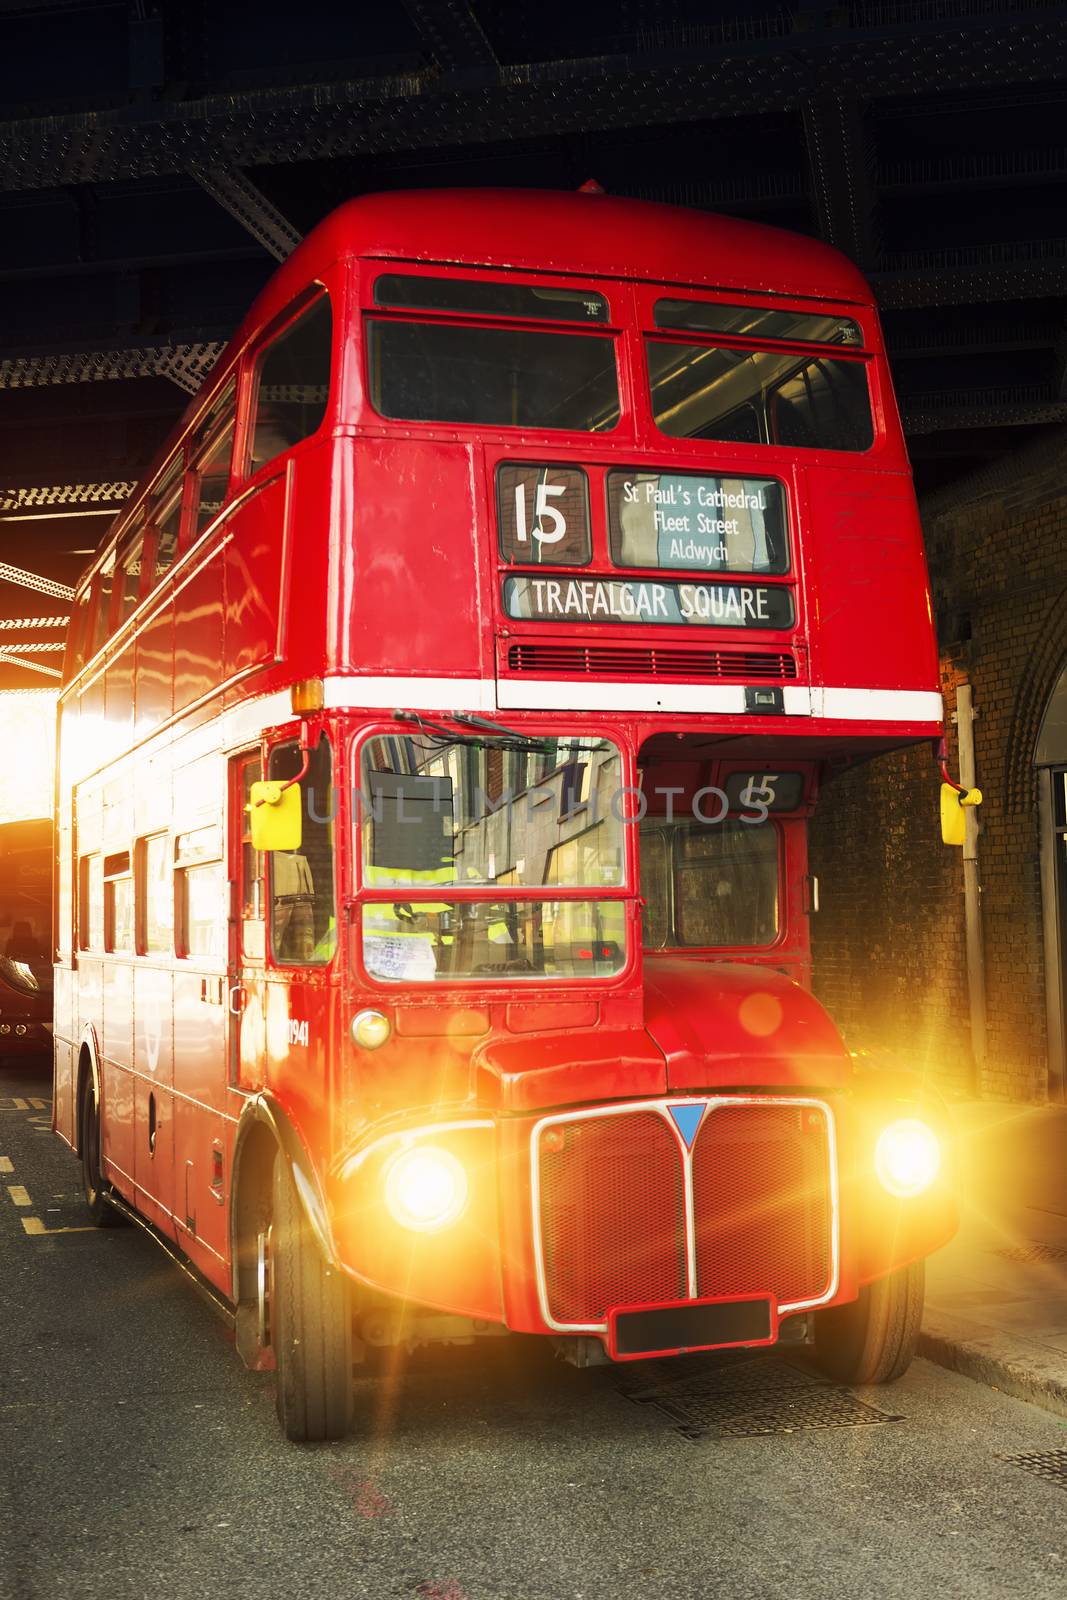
<point>137,1457</point>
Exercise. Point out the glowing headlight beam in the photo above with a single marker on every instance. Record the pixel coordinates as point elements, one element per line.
<point>426,1190</point>
<point>907,1158</point>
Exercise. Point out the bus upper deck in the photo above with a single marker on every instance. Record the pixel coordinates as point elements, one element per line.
<point>619,457</point>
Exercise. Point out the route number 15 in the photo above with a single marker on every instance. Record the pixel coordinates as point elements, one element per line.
<point>543,513</point>
<point>543,493</point>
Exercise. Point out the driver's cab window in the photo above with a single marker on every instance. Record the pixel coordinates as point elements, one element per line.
<point>303,920</point>
<point>709,885</point>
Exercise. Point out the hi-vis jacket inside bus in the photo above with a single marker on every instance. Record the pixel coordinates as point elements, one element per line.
<point>441,723</point>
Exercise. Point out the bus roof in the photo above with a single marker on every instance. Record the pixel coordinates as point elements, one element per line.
<point>581,233</point>
<point>587,234</point>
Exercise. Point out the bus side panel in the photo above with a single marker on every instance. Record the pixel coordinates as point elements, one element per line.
<point>154,677</point>
<point>116,980</point>
<point>255,562</point>
<point>65,1053</point>
<point>870,582</point>
<point>198,632</point>
<point>153,1058</point>
<point>202,1133</point>
<point>416,517</point>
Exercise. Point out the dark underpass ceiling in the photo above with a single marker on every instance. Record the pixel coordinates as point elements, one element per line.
<point>157,159</point>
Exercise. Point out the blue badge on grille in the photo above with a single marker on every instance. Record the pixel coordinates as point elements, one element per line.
<point>687,1120</point>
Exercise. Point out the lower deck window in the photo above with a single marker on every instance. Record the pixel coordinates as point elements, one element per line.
<point>709,886</point>
<point>420,942</point>
<point>201,893</point>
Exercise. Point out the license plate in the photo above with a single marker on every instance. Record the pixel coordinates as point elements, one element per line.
<point>684,1325</point>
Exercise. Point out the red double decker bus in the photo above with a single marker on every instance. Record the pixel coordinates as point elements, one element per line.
<point>441,723</point>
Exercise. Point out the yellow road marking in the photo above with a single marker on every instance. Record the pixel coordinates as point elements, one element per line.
<point>13,1103</point>
<point>6,1164</point>
<point>19,1194</point>
<point>34,1226</point>
<point>40,1105</point>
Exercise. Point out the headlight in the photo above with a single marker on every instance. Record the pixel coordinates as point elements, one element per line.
<point>907,1158</point>
<point>426,1189</point>
<point>370,1029</point>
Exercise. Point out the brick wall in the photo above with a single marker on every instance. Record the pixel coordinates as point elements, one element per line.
<point>888,944</point>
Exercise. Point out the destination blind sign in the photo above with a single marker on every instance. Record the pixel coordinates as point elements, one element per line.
<point>703,605</point>
<point>697,523</point>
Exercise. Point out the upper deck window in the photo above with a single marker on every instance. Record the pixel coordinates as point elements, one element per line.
<point>747,396</point>
<point>492,377</point>
<point>757,322</point>
<point>526,301</point>
<point>292,384</point>
<point>211,452</point>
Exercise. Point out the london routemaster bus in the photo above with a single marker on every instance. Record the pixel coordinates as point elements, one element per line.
<point>441,723</point>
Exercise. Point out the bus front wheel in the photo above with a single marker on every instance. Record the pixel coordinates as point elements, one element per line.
<point>874,1338</point>
<point>94,1185</point>
<point>311,1322</point>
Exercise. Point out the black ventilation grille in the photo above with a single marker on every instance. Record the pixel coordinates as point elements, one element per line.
<point>695,666</point>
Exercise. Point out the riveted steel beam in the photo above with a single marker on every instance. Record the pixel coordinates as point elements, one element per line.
<point>973,275</point>
<point>453,34</point>
<point>1016,406</point>
<point>238,195</point>
<point>187,365</point>
<point>9,659</point>
<point>56,495</point>
<point>841,161</point>
<point>33,580</point>
<point>30,624</point>
<point>712,77</point>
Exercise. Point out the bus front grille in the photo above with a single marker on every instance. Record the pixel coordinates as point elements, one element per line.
<point>612,1189</point>
<point>762,1202</point>
<point>612,1215</point>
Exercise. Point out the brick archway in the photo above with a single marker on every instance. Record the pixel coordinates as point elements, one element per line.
<point>1035,688</point>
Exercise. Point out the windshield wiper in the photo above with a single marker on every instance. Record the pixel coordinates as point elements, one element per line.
<point>506,738</point>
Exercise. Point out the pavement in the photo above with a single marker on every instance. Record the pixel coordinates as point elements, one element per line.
<point>139,1458</point>
<point>996,1297</point>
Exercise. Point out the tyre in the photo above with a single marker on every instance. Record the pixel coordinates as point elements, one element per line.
<point>311,1322</point>
<point>94,1186</point>
<point>873,1340</point>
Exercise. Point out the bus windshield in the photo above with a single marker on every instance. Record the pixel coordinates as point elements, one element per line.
<point>438,813</point>
<point>709,886</point>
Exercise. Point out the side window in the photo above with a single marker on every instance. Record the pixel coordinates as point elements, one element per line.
<point>165,514</point>
<point>132,567</point>
<point>155,897</point>
<point>252,885</point>
<point>303,924</point>
<point>292,385</point>
<point>211,455</point>
<point>102,588</point>
<point>824,405</point>
<point>118,903</point>
<point>91,903</point>
<point>200,893</point>
<point>76,640</point>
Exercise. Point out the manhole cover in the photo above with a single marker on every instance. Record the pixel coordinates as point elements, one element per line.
<point>1033,1252</point>
<point>758,1398</point>
<point>740,1378</point>
<point>1046,1463</point>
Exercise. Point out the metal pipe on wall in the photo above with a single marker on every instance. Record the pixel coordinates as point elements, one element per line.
<point>972,888</point>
